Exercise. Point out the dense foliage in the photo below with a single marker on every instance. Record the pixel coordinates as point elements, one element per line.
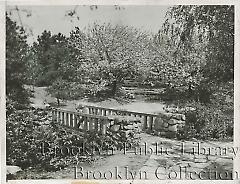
<point>33,140</point>
<point>16,58</point>
<point>202,43</point>
<point>209,26</point>
<point>210,121</point>
<point>202,38</point>
<point>190,56</point>
<point>49,53</point>
<point>110,54</point>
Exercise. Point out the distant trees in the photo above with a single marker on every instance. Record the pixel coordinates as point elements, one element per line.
<point>193,51</point>
<point>210,27</point>
<point>178,68</point>
<point>49,52</point>
<point>52,64</point>
<point>110,54</point>
<point>201,40</point>
<point>60,90</point>
<point>91,61</point>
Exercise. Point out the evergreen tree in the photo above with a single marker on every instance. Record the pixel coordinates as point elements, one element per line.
<point>16,55</point>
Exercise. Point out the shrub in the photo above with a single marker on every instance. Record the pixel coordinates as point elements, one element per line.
<point>27,131</point>
<point>33,140</point>
<point>207,122</point>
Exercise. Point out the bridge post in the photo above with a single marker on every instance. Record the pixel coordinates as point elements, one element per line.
<point>85,125</point>
<point>71,120</point>
<point>74,121</point>
<point>96,124</point>
<point>100,112</point>
<point>96,111</point>
<point>103,126</point>
<point>67,119</point>
<point>63,119</point>
<point>90,110</point>
<point>54,118</point>
<point>59,117</point>
<point>91,121</point>
<point>144,122</point>
<point>151,123</point>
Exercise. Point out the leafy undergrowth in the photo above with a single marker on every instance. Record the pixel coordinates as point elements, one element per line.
<point>34,141</point>
<point>207,123</point>
<point>213,120</point>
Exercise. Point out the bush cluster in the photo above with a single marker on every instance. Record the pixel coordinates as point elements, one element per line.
<point>33,140</point>
<point>206,123</point>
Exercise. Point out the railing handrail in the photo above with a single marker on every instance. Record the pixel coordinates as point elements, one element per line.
<point>81,114</point>
<point>123,111</point>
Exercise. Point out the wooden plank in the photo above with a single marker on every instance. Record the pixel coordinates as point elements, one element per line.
<point>125,111</point>
<point>82,114</point>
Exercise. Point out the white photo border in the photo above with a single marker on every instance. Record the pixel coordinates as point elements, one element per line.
<point>3,5</point>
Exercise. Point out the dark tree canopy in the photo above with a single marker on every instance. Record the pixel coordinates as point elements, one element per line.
<point>16,55</point>
<point>213,28</point>
<point>50,52</point>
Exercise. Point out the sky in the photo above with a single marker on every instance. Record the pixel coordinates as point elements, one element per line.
<point>53,18</point>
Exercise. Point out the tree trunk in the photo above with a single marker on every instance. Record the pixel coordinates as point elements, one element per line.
<point>58,102</point>
<point>190,91</point>
<point>114,87</point>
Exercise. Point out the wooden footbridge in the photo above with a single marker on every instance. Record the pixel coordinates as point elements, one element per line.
<point>100,119</point>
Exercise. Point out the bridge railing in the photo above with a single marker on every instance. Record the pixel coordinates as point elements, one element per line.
<point>146,118</point>
<point>80,121</point>
<point>97,119</point>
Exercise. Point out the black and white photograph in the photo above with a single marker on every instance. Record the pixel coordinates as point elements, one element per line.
<point>120,92</point>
